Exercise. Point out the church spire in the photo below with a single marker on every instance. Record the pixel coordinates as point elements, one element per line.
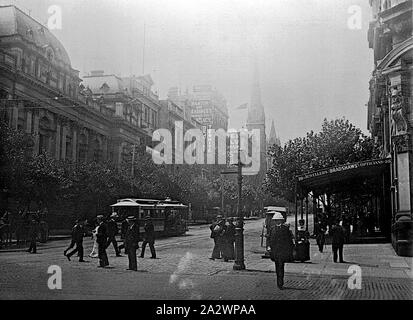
<point>256,110</point>
<point>273,139</point>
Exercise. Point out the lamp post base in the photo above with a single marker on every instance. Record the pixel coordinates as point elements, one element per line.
<point>239,245</point>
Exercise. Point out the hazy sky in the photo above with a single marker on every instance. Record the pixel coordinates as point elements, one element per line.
<point>312,65</point>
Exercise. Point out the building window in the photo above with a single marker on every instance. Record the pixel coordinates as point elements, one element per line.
<point>45,135</point>
<point>82,148</point>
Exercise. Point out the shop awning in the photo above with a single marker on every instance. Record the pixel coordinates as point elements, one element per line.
<point>341,177</point>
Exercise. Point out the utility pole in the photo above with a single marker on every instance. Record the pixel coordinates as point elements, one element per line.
<point>239,226</point>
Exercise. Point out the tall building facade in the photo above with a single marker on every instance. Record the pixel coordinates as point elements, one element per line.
<point>389,114</point>
<point>206,104</point>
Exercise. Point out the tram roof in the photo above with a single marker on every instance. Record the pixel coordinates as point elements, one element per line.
<point>135,202</point>
<point>341,178</point>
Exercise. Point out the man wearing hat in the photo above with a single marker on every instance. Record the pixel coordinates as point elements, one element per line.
<point>77,238</point>
<point>112,232</point>
<point>131,242</point>
<point>281,243</point>
<point>149,237</point>
<point>102,240</point>
<point>217,229</point>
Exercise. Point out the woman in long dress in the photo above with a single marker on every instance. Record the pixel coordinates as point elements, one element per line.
<point>94,253</point>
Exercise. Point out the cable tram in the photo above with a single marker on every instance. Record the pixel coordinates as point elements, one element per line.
<point>169,217</point>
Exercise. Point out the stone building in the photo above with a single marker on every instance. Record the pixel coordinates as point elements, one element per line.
<point>390,115</point>
<point>170,117</point>
<point>207,106</point>
<point>40,93</point>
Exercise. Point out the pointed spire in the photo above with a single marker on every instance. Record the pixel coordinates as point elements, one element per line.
<point>273,139</point>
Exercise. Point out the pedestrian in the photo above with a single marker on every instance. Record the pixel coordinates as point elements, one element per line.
<point>132,242</point>
<point>216,231</point>
<point>149,237</point>
<point>102,240</point>
<point>320,237</point>
<point>123,229</point>
<point>112,228</point>
<point>281,243</point>
<point>229,239</point>
<point>78,233</point>
<point>337,241</point>
<point>94,253</point>
<point>32,234</point>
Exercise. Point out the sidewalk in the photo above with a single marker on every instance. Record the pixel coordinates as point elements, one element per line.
<point>375,260</point>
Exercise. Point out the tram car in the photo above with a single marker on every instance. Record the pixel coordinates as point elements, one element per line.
<point>169,217</point>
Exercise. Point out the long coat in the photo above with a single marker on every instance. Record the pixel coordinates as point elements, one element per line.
<point>77,233</point>
<point>132,236</point>
<point>149,235</point>
<point>337,235</point>
<point>102,234</point>
<point>281,243</point>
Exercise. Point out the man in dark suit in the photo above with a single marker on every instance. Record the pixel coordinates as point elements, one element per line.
<point>112,228</point>
<point>102,240</point>
<point>337,241</point>
<point>131,242</point>
<point>77,238</point>
<point>149,238</point>
<point>281,243</point>
<point>32,234</point>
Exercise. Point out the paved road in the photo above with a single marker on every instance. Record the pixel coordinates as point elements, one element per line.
<point>183,271</point>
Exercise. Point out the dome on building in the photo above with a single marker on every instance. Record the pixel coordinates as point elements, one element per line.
<point>14,22</point>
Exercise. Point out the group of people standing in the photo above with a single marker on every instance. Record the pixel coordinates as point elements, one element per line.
<point>105,234</point>
<point>223,233</point>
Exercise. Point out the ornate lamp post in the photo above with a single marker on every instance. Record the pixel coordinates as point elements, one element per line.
<point>239,225</point>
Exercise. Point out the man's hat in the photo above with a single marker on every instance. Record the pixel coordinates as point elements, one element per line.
<point>131,218</point>
<point>147,217</point>
<point>99,217</point>
<point>219,216</point>
<point>277,216</point>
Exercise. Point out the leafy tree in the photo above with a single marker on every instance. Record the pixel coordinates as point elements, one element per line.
<point>339,142</point>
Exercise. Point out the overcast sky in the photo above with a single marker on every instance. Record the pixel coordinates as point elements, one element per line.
<point>312,65</point>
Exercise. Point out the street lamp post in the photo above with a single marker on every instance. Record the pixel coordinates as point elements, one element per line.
<point>239,226</point>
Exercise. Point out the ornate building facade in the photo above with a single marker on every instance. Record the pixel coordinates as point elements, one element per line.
<point>390,116</point>
<point>40,93</point>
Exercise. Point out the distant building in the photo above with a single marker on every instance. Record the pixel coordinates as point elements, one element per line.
<point>256,120</point>
<point>389,113</point>
<point>206,104</point>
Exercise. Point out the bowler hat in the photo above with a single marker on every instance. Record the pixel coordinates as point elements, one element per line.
<point>147,217</point>
<point>99,217</point>
<point>131,218</point>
